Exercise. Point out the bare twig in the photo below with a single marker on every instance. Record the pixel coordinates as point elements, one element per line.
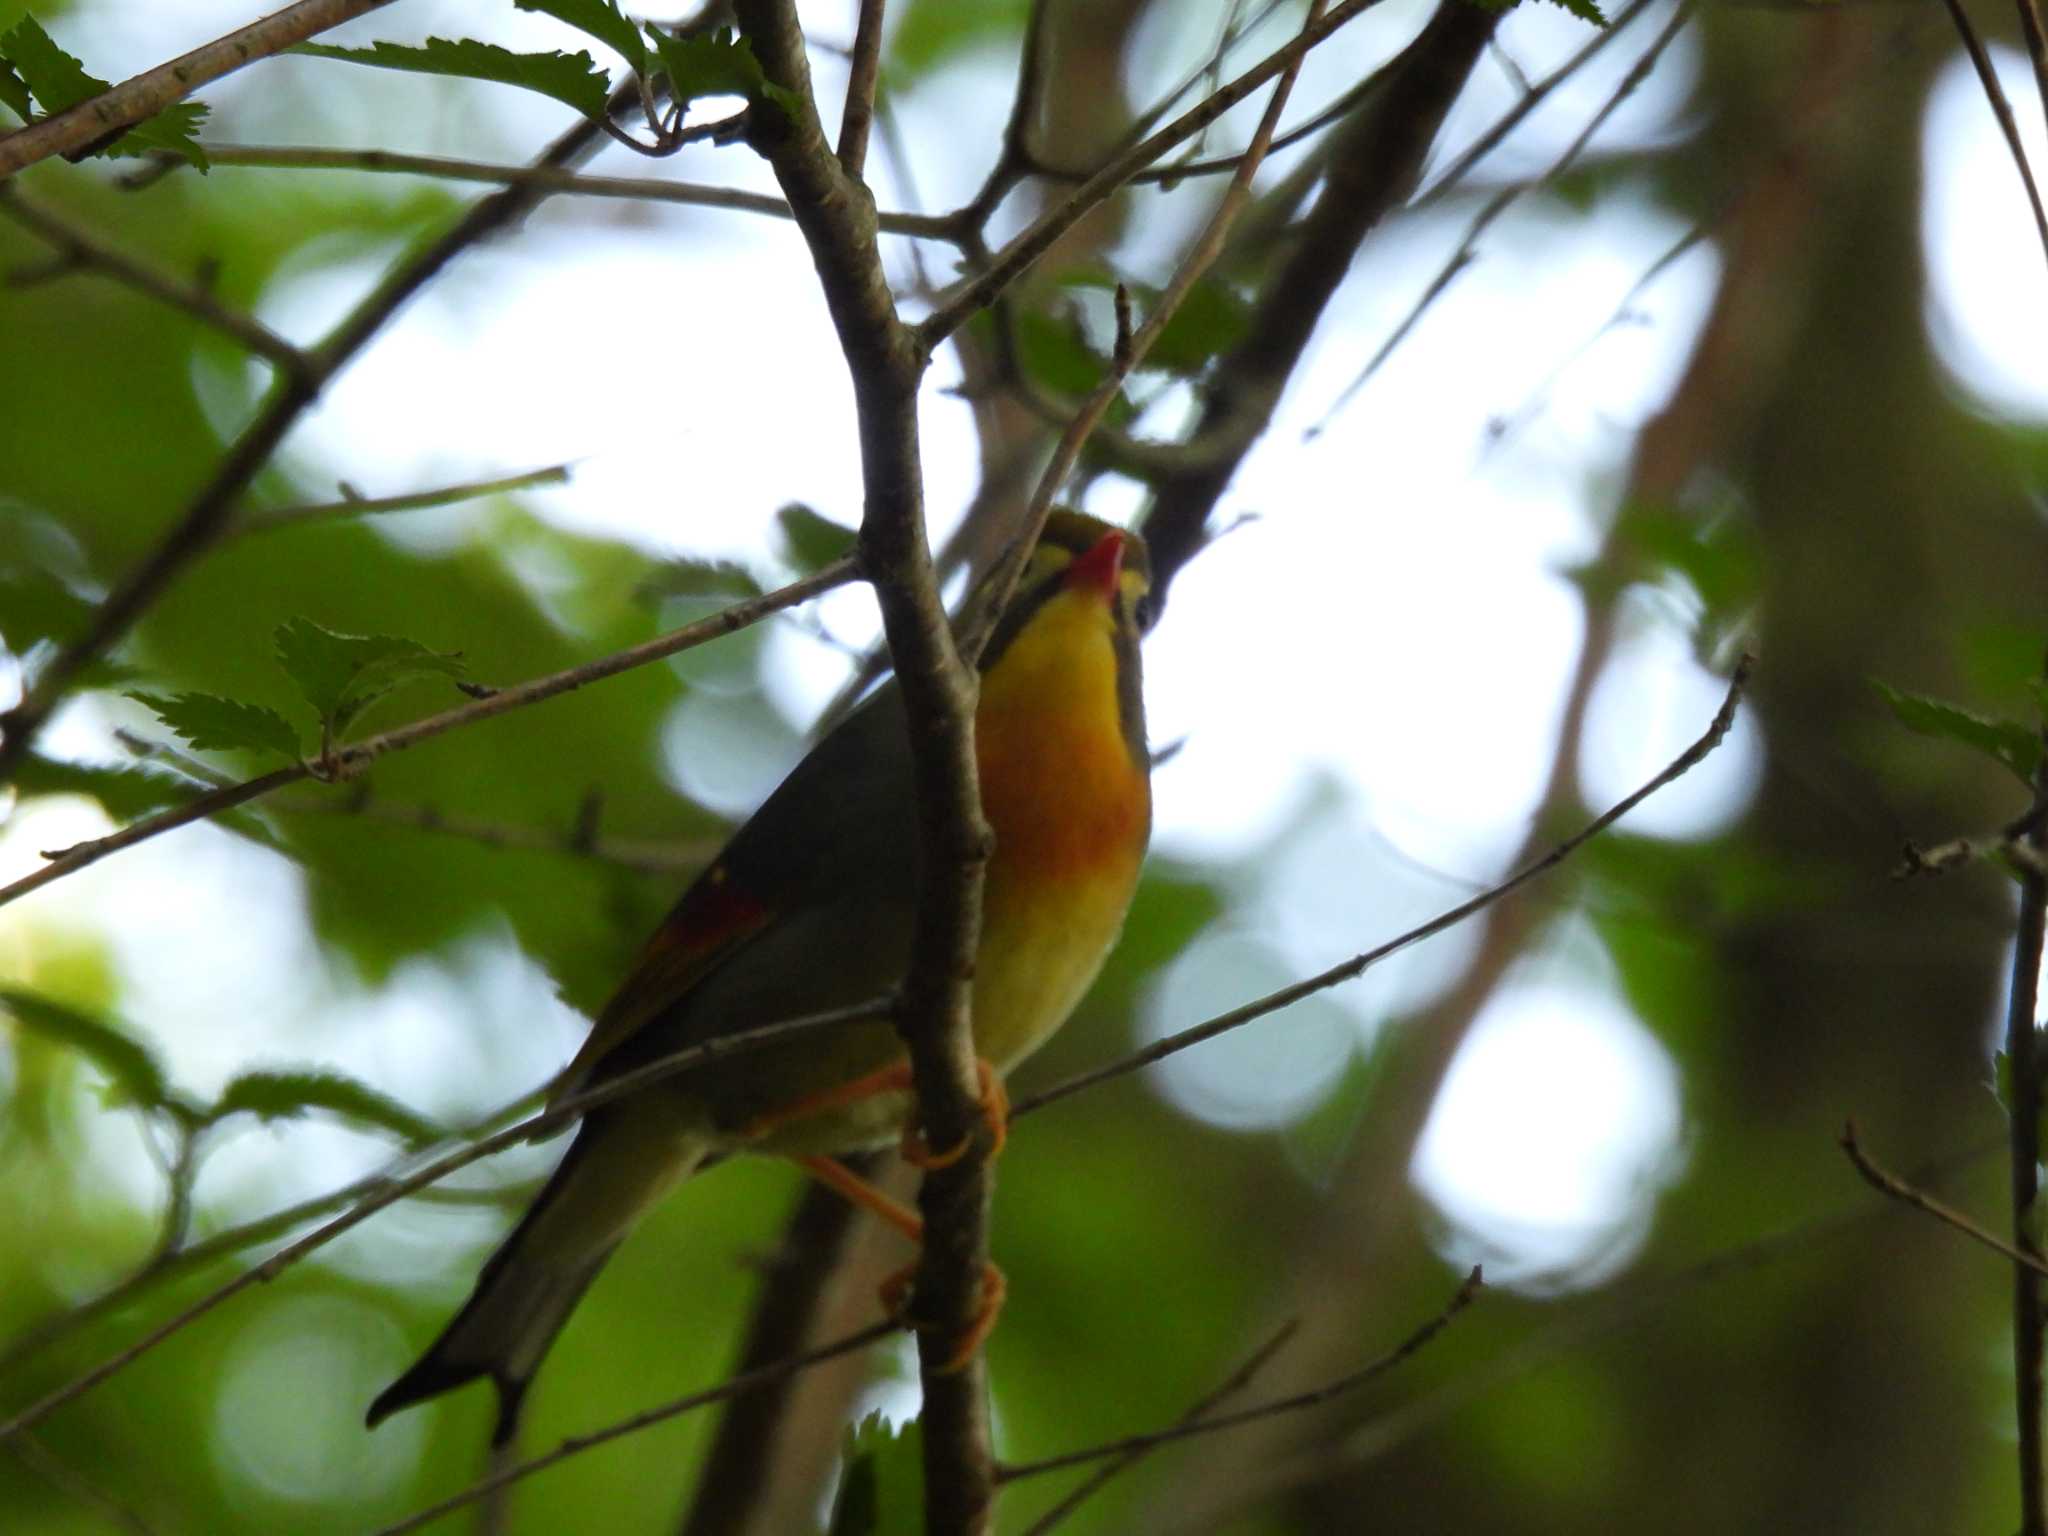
<point>1357,965</point>
<point>1896,1188</point>
<point>348,760</point>
<point>1018,256</point>
<point>415,501</point>
<point>1233,1384</point>
<point>86,252</point>
<point>150,92</point>
<point>576,1445</point>
<point>2023,1061</point>
<point>54,1470</point>
<point>390,1192</point>
<point>1528,102</point>
<point>1374,161</point>
<point>546,179</point>
<point>1468,246</point>
<point>2001,108</point>
<point>1132,347</point>
<point>886,361</point>
<point>1294,1403</point>
<point>859,114</point>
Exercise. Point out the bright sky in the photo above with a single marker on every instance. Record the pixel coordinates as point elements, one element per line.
<point>1343,799</point>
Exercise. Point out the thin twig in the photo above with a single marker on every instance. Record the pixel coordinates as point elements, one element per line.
<point>348,760</point>
<point>1132,346</point>
<point>536,1127</point>
<point>1313,1398</point>
<point>1231,1385</point>
<point>150,92</point>
<point>859,114</point>
<point>2001,108</point>
<point>2023,1061</point>
<point>85,251</point>
<point>546,179</point>
<point>1018,256</point>
<point>414,501</point>
<point>1357,965</point>
<point>1896,1188</point>
<point>1528,102</point>
<point>1373,161</point>
<point>38,1458</point>
<point>1468,246</point>
<point>576,1445</point>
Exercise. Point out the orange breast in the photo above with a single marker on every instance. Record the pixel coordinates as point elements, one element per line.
<point>1058,782</point>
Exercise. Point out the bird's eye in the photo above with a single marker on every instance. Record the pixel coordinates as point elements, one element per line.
<point>1142,612</point>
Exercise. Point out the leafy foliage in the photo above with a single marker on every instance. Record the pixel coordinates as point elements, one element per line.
<point>215,724</point>
<point>571,78</point>
<point>881,1492</point>
<point>602,19</point>
<point>135,1075</point>
<point>717,64</point>
<point>290,1095</point>
<point>58,81</point>
<point>343,675</point>
<point>2017,747</point>
<point>810,540</point>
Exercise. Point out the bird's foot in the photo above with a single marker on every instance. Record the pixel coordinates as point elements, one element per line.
<point>995,1109</point>
<point>988,1305</point>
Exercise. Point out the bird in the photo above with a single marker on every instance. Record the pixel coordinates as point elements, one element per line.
<point>810,908</point>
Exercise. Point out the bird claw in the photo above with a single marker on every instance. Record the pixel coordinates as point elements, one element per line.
<point>995,1287</point>
<point>995,1110</point>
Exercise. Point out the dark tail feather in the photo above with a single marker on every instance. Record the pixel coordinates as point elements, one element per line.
<point>615,1170</point>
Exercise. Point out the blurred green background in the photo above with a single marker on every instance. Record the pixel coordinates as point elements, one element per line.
<point>1510,578</point>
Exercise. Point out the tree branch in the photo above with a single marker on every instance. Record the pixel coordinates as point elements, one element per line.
<point>548,179</point>
<point>84,251</point>
<point>1293,1403</point>
<point>1017,257</point>
<point>1893,1187</point>
<point>1231,1385</point>
<point>886,362</point>
<point>859,114</point>
<point>353,506</point>
<point>150,92</point>
<point>1374,162</point>
<point>535,1128</point>
<point>576,1445</point>
<point>351,759</point>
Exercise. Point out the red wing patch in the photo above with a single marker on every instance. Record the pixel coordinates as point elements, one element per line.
<point>713,916</point>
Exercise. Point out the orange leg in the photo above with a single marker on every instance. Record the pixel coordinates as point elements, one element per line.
<point>895,1290</point>
<point>995,1107</point>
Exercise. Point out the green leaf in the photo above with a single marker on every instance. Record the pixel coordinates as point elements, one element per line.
<point>214,724</point>
<point>1585,10</point>
<point>136,1077</point>
<point>698,578</point>
<point>343,675</point>
<point>2017,746</point>
<point>572,78</point>
<point>810,540</point>
<point>931,33</point>
<point>14,93</point>
<point>37,606</point>
<point>716,65</point>
<point>58,81</point>
<point>288,1095</point>
<point>1211,319</point>
<point>601,19</point>
<point>882,1491</point>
